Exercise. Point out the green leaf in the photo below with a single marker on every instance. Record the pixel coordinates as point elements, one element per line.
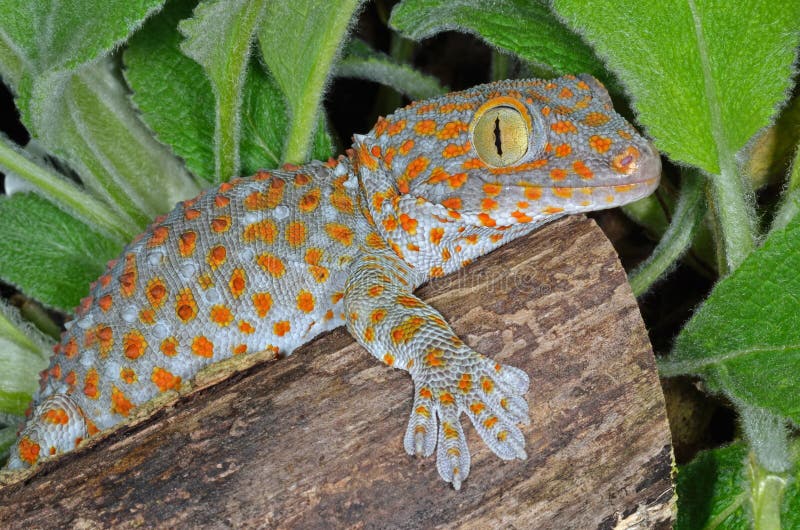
<point>86,118</point>
<point>524,27</point>
<point>362,62</point>
<point>176,101</point>
<point>24,352</point>
<point>712,492</point>
<point>41,36</point>
<point>218,37</point>
<point>745,339</point>
<point>300,40</point>
<point>704,76</point>
<point>49,254</point>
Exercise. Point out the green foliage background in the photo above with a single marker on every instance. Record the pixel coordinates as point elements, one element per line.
<point>142,107</point>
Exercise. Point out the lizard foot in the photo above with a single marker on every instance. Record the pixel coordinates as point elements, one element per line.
<point>492,396</point>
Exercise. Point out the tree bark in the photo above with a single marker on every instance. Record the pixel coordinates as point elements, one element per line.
<point>315,440</point>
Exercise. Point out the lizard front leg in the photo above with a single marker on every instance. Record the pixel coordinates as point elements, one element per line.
<point>449,377</point>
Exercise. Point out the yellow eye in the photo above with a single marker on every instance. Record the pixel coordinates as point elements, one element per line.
<point>500,136</point>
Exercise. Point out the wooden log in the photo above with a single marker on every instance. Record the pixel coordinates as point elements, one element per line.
<point>315,440</point>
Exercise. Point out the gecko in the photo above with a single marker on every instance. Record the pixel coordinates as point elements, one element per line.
<point>268,262</point>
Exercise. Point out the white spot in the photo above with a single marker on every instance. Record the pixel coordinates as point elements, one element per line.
<point>339,170</point>
<point>154,258</point>
<point>281,212</point>
<point>188,270</point>
<point>212,295</point>
<point>161,330</point>
<point>130,313</point>
<point>246,254</point>
<point>68,324</point>
<point>387,207</point>
<point>252,217</point>
<point>85,322</point>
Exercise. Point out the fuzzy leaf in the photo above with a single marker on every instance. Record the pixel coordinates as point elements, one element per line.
<point>524,27</point>
<point>705,75</point>
<point>176,100</point>
<point>49,254</point>
<point>42,36</point>
<point>300,40</point>
<point>362,62</point>
<point>745,339</point>
<point>218,37</point>
<point>24,352</point>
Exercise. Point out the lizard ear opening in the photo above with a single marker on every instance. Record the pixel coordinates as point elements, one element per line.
<point>500,132</point>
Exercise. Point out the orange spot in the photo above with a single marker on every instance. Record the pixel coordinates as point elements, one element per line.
<point>246,327</point>
<point>565,93</point>
<point>477,407</point>
<point>105,302</point>
<point>563,126</point>
<point>564,193</point>
<point>156,292</point>
<point>216,256</point>
<point>238,282</point>
<point>595,119</point>
<point>369,334</point>
<point>259,200</point>
<point>454,150</point>
<point>313,255</point>
<point>309,202</point>
<point>407,329</point>
<point>185,306</point>
<point>425,127</point>
<point>446,398</point>
<point>221,201</point>
<point>120,404</point>
<point>128,375</point>
<point>221,224</point>
<point>601,144</point>
<point>396,128</point>
<point>186,243</point>
<point>487,384</point>
<point>28,450</point>
<point>281,328</point>
<point>202,347</point>
<point>563,150</point>
<point>473,163</point>
<point>425,393</point>
<point>375,290</point>
<point>164,379</point>
<point>490,422</point>
<point>296,233</point>
<point>221,315</point>
<point>434,358</point>
<point>626,161</point>
<point>580,168</point>
<point>521,217</point>
<point>320,274</point>
<point>169,347</point>
<point>305,301</point>
<point>552,210</point>
<point>486,220</point>
<point>388,358</point>
<point>190,214</point>
<point>342,202</point>
<point>436,235</point>
<point>240,349</point>
<point>488,204</point>
<point>265,231</point>
<point>340,232</point>
<point>127,280</point>
<point>57,416</point>
<point>408,224</point>
<point>133,344</point>
<point>272,264</point>
<point>452,129</point>
<point>405,147</point>
<point>160,234</point>
<point>262,303</point>
<point>465,383</point>
<point>377,315</point>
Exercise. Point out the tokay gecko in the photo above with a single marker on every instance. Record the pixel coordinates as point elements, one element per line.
<point>271,261</point>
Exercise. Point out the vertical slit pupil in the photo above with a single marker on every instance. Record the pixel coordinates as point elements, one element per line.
<point>498,142</point>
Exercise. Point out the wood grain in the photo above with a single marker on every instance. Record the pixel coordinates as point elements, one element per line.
<point>315,440</point>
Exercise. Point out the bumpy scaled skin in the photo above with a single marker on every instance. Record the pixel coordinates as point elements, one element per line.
<point>268,262</point>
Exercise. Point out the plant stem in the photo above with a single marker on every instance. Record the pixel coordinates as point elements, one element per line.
<point>63,192</point>
<point>733,214</point>
<point>790,204</point>
<point>678,237</point>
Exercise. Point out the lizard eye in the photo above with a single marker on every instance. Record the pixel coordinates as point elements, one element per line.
<point>500,136</point>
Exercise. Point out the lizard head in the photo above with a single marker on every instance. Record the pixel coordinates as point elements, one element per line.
<point>510,152</point>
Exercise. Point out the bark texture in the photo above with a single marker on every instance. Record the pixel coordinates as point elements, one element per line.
<point>315,440</point>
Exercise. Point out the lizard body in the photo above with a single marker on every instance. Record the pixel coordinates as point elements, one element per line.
<point>270,261</point>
